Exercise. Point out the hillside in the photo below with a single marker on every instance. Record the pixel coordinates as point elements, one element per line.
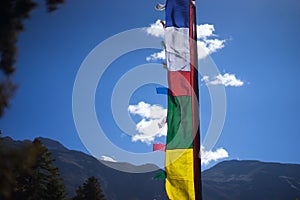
<point>228,180</point>
<point>250,180</point>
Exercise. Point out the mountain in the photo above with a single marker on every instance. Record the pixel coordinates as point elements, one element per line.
<point>228,180</point>
<point>75,167</point>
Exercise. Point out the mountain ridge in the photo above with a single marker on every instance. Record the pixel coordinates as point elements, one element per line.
<point>227,180</point>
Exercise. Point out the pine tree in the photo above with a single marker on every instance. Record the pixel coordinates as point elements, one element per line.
<point>27,172</point>
<point>56,190</point>
<point>41,179</point>
<point>90,190</point>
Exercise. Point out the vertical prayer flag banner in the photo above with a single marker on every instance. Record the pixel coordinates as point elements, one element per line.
<point>182,162</point>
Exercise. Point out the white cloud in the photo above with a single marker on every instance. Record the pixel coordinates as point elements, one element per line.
<point>157,56</point>
<point>156,29</point>
<point>209,156</point>
<point>226,80</point>
<point>205,30</point>
<point>208,42</point>
<point>209,46</point>
<point>153,123</point>
<point>107,158</point>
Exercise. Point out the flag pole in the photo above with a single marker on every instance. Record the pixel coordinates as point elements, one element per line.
<point>195,102</point>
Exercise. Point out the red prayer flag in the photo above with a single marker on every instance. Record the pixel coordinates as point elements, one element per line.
<point>159,147</point>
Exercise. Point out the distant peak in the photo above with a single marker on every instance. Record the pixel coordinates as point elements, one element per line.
<point>52,144</point>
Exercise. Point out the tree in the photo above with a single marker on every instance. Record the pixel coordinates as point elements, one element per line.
<point>12,15</point>
<point>90,190</point>
<point>56,190</point>
<point>10,162</point>
<point>42,180</point>
<point>27,172</point>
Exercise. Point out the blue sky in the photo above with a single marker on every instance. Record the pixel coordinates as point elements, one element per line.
<point>260,47</point>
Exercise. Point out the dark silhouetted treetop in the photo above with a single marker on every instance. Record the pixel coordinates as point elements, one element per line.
<point>89,190</point>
